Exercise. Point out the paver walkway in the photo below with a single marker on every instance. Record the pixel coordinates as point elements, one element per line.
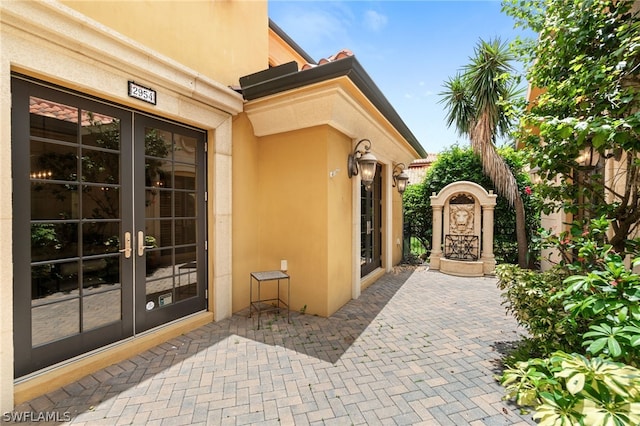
<point>418,347</point>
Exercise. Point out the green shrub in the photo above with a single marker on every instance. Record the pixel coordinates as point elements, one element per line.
<point>528,297</point>
<point>594,310</point>
<point>570,389</point>
<point>607,298</point>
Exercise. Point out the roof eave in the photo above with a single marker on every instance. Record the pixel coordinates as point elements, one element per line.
<point>349,67</point>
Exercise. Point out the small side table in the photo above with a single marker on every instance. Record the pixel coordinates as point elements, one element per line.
<point>256,304</point>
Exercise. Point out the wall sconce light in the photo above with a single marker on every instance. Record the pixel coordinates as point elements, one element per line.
<point>400,178</point>
<point>363,162</point>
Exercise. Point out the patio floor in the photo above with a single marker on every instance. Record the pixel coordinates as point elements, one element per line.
<point>417,347</point>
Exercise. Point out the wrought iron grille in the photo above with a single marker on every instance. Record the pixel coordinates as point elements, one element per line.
<point>461,247</point>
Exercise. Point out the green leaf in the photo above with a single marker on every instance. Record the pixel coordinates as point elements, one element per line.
<point>614,347</point>
<point>575,383</point>
<point>597,345</point>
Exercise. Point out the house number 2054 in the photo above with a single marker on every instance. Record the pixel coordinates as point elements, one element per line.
<point>142,93</point>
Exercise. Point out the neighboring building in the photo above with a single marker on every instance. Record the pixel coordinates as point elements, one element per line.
<point>417,169</point>
<point>152,169</point>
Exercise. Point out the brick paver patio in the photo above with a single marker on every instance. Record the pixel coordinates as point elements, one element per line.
<point>418,347</point>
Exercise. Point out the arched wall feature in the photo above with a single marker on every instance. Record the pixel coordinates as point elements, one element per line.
<point>470,216</point>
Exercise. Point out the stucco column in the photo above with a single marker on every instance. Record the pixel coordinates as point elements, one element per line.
<point>220,237</point>
<point>436,252</point>
<point>487,256</point>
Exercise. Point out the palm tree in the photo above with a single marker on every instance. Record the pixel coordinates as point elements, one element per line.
<point>477,101</point>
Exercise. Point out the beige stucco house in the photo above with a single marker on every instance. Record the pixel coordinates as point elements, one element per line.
<point>152,169</point>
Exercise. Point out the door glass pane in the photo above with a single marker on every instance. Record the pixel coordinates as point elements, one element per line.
<point>159,232</point>
<point>100,238</point>
<point>101,309</point>
<point>185,231</point>
<point>53,281</point>
<point>100,202</point>
<point>185,149</point>
<point>366,226</point>
<point>100,166</point>
<point>157,202</point>
<point>100,130</point>
<point>54,321</point>
<point>158,173</point>
<point>50,241</point>
<point>186,286</point>
<point>185,176</point>
<point>52,161</point>
<point>185,204</point>
<point>159,263</point>
<point>53,120</point>
<point>51,201</point>
<point>157,143</point>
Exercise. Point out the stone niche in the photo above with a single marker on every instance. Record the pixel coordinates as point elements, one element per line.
<point>463,230</point>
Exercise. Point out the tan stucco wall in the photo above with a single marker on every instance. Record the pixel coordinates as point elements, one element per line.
<point>339,214</point>
<point>202,35</point>
<point>246,249</point>
<point>293,213</point>
<point>290,209</point>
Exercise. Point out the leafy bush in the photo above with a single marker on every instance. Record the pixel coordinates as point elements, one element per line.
<point>608,299</point>
<point>596,311</point>
<point>528,296</point>
<point>570,389</point>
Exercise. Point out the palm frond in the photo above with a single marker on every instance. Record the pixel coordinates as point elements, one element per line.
<point>459,103</point>
<point>489,79</point>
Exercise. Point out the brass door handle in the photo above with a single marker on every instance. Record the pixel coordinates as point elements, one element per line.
<point>141,245</point>
<point>127,245</point>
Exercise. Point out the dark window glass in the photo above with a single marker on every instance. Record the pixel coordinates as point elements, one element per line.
<point>52,161</point>
<point>51,201</point>
<point>100,166</point>
<point>100,202</point>
<point>100,130</point>
<point>53,120</point>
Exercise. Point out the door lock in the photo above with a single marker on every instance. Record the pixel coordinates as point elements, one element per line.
<point>127,245</point>
<point>141,245</point>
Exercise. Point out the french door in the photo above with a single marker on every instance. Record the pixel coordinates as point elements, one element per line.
<point>371,225</point>
<point>109,219</point>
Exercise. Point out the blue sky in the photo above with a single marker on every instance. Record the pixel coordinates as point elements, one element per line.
<point>409,48</point>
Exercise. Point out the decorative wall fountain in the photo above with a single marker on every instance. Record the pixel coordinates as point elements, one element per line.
<point>463,215</point>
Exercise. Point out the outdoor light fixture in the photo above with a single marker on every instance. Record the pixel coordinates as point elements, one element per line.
<point>400,178</point>
<point>362,162</point>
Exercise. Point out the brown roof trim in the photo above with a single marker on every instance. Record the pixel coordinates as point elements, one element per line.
<point>254,87</point>
<point>276,29</point>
